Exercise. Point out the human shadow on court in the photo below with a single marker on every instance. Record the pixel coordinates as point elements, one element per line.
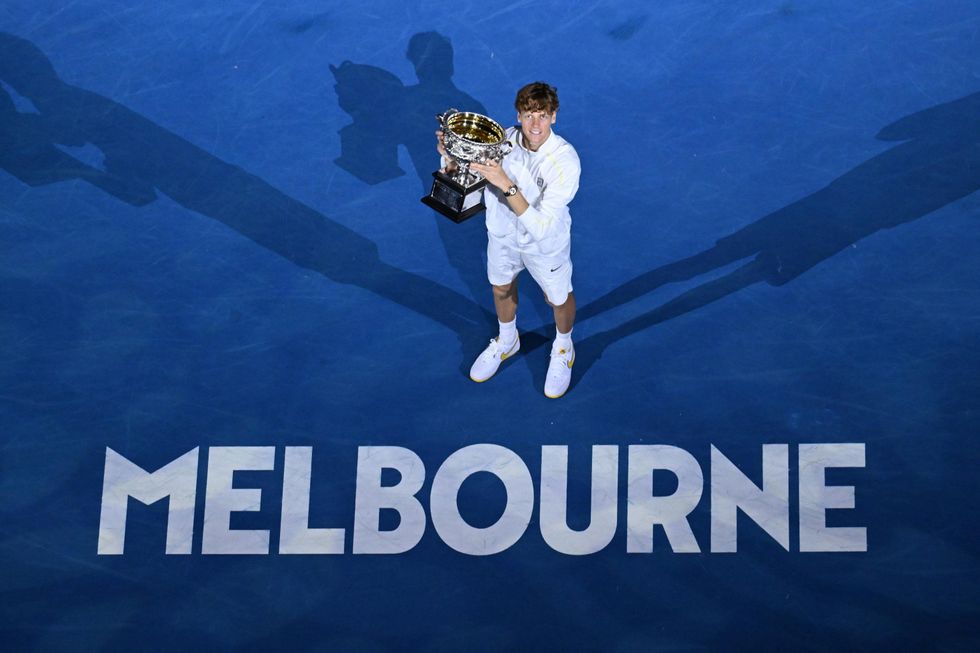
<point>141,156</point>
<point>387,114</point>
<point>28,152</point>
<point>938,163</point>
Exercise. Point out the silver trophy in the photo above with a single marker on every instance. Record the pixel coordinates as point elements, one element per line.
<point>468,137</point>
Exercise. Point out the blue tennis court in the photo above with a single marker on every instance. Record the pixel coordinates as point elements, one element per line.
<point>235,410</point>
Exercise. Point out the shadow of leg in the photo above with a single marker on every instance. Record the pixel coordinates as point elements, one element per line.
<point>688,268</point>
<point>590,350</point>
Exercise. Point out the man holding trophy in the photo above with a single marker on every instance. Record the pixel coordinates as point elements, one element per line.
<point>528,226</point>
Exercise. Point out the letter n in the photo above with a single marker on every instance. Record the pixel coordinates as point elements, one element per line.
<point>731,491</point>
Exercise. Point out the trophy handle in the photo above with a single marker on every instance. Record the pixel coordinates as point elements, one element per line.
<point>498,152</point>
<point>443,117</point>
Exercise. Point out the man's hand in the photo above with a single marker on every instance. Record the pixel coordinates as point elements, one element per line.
<point>494,174</point>
<point>441,149</point>
<point>441,143</point>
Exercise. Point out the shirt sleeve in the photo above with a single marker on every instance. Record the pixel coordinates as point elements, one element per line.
<point>542,219</point>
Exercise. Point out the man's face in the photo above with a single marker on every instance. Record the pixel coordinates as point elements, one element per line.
<point>536,127</point>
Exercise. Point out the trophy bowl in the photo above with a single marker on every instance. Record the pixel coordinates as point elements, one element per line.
<point>472,137</point>
<point>468,138</point>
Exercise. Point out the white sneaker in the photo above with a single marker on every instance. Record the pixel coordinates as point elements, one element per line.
<point>486,364</point>
<point>559,370</point>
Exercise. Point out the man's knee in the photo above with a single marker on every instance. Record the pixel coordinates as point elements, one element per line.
<point>557,306</point>
<point>504,291</point>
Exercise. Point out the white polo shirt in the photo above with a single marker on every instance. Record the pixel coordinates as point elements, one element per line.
<point>548,179</point>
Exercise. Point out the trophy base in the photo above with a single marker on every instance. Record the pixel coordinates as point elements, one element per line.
<point>453,200</point>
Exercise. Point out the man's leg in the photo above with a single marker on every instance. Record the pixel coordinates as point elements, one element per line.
<point>564,314</point>
<point>505,301</point>
<point>553,273</point>
<point>507,343</point>
<point>562,350</point>
<point>503,266</point>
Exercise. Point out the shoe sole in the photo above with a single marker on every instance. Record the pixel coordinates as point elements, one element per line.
<point>510,354</point>
<point>569,383</point>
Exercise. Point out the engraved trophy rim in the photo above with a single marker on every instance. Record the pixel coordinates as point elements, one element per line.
<point>445,118</point>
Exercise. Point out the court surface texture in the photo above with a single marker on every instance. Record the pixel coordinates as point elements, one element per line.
<point>212,245</point>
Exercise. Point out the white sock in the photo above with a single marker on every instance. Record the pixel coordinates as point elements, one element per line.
<point>508,332</point>
<point>563,340</point>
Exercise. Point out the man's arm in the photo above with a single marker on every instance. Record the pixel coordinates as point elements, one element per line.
<point>561,179</point>
<point>498,178</point>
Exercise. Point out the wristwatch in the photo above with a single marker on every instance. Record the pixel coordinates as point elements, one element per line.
<point>510,192</point>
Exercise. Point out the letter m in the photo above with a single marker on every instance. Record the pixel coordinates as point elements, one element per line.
<point>123,479</point>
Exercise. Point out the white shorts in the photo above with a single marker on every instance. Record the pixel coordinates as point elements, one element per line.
<point>552,272</point>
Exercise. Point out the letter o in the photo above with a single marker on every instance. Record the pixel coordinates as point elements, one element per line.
<point>452,528</point>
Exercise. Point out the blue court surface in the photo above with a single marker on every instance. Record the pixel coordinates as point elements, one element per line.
<point>234,346</point>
